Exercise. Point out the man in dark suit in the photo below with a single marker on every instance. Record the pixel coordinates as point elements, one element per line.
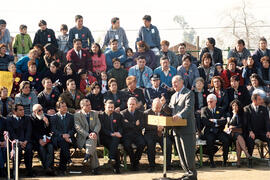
<point>256,122</point>
<point>182,106</point>
<point>214,121</point>
<point>63,134</point>
<point>156,91</point>
<point>20,128</point>
<point>79,57</point>
<point>153,134</point>
<point>41,138</point>
<point>238,92</point>
<point>3,149</point>
<point>132,132</point>
<point>111,133</point>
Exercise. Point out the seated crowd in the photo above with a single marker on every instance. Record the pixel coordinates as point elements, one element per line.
<point>69,92</point>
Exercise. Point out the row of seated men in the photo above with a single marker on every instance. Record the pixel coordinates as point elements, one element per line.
<point>42,133</point>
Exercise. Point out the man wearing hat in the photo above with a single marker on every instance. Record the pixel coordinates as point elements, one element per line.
<point>156,91</point>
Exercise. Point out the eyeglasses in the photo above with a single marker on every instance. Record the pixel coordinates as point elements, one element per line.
<point>40,110</point>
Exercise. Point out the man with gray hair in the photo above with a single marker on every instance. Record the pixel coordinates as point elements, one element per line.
<point>182,106</point>
<point>41,137</point>
<point>153,135</point>
<point>214,121</point>
<point>132,132</point>
<point>87,125</point>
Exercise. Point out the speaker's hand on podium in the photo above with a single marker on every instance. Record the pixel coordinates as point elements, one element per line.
<point>176,118</point>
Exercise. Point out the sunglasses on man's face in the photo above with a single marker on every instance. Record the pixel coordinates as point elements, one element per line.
<point>40,110</point>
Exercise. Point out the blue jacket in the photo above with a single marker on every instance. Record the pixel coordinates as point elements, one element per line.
<point>84,34</point>
<point>163,78</point>
<point>239,57</point>
<point>120,53</point>
<point>147,73</point>
<point>21,65</point>
<point>150,36</point>
<point>151,94</point>
<point>190,76</point>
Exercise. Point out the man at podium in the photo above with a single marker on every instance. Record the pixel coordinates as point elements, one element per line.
<point>182,106</point>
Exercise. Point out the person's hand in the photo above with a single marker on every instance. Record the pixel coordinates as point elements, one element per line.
<point>45,119</point>
<point>199,111</point>
<point>234,111</point>
<point>51,112</point>
<point>268,134</point>
<point>249,87</point>
<point>42,143</point>
<point>117,134</point>
<point>160,128</point>
<point>244,62</point>
<point>92,136</point>
<point>176,118</point>
<point>163,100</point>
<point>113,134</point>
<point>139,104</point>
<point>66,137</point>
<point>252,135</point>
<point>126,120</point>
<point>137,123</point>
<point>117,110</point>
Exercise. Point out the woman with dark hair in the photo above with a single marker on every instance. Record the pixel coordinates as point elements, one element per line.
<point>215,53</point>
<point>188,71</point>
<point>130,59</point>
<point>98,60</point>
<point>96,97</point>
<point>41,68</point>
<point>70,73</point>
<point>26,97</point>
<point>230,71</point>
<point>249,68</point>
<point>144,50</point>
<point>235,127</point>
<point>53,54</point>
<point>257,83</point>
<point>55,74</point>
<point>222,96</point>
<point>206,70</point>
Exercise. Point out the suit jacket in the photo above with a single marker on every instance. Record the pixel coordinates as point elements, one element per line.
<point>222,99</point>
<point>211,127</point>
<point>108,126</point>
<point>72,104</point>
<point>151,94</point>
<point>3,127</point>
<point>83,128</point>
<point>258,122</point>
<point>121,99</point>
<point>241,94</point>
<point>48,103</point>
<point>217,55</point>
<point>21,130</point>
<point>205,94</point>
<point>58,128</point>
<point>130,127</point>
<point>80,63</point>
<point>182,106</point>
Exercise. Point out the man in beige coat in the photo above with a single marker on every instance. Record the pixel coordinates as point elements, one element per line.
<point>87,125</point>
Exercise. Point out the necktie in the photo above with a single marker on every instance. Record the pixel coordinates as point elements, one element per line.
<point>64,121</point>
<point>88,119</point>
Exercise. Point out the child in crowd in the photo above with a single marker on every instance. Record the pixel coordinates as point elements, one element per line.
<point>22,42</point>
<point>85,81</point>
<point>62,39</point>
<point>130,59</point>
<point>219,68</point>
<point>104,82</point>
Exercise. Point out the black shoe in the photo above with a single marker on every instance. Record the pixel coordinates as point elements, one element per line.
<point>212,165</point>
<point>31,174</point>
<point>250,162</point>
<point>96,172</point>
<point>50,172</point>
<point>134,167</point>
<point>151,169</point>
<point>116,171</point>
<point>224,164</point>
<point>2,172</point>
<point>62,173</point>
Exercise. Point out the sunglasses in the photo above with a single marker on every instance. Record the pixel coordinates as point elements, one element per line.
<point>40,110</point>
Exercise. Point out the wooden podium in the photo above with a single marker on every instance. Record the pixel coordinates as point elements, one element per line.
<point>165,121</point>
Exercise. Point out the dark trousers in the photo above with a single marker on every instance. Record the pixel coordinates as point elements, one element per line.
<point>46,154</point>
<point>250,142</point>
<point>28,156</point>
<point>64,153</point>
<point>138,140</point>
<point>210,141</point>
<point>3,157</point>
<point>151,140</point>
<point>111,143</point>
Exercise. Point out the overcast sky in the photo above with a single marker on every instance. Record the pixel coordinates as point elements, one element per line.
<point>97,15</point>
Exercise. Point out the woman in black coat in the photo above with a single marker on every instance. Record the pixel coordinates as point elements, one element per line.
<point>96,97</point>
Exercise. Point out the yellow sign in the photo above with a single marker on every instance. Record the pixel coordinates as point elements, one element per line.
<point>6,80</point>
